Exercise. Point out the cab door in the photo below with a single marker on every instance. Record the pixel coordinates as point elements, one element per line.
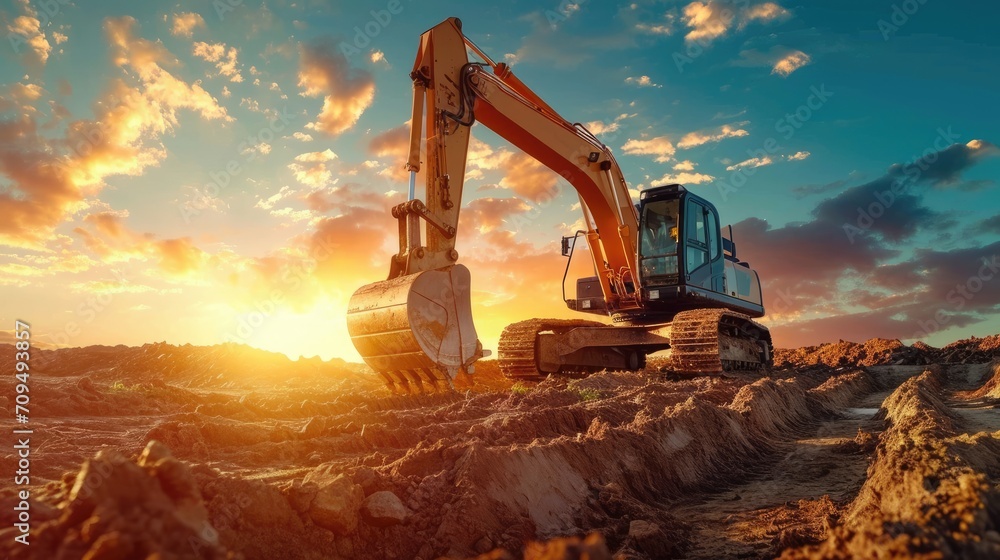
<point>703,263</point>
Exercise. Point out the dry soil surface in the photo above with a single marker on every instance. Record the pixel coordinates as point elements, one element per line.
<point>842,451</point>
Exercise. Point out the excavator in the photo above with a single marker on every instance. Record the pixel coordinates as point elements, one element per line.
<point>666,273</point>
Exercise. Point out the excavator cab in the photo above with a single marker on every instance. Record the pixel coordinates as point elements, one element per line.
<point>684,262</point>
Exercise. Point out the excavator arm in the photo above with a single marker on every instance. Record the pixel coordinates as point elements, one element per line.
<point>415,328</point>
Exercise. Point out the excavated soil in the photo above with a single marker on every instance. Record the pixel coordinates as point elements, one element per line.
<point>842,451</point>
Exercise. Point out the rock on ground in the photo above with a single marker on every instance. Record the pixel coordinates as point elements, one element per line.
<point>336,504</point>
<point>383,509</point>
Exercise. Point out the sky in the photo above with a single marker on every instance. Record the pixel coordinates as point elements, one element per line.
<point>204,172</point>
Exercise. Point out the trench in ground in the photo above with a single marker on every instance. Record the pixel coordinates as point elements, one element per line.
<point>790,498</point>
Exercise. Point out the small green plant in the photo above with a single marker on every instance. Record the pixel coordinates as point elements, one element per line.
<point>520,389</point>
<point>587,395</point>
<point>120,387</point>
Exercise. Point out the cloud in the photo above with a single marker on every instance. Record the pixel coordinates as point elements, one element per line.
<point>641,81</point>
<point>685,165</point>
<point>766,12</point>
<point>146,59</point>
<point>766,160</point>
<point>22,97</point>
<point>50,178</point>
<point>598,127</point>
<point>751,163</point>
<point>392,148</point>
<point>820,283</point>
<point>179,256</point>
<point>693,139</point>
<point>713,19</point>
<point>660,146</point>
<point>484,157</point>
<point>897,192</point>
<point>948,164</point>
<point>988,226</point>
<point>342,198</point>
<point>321,267</point>
<point>301,137</point>
<point>185,23</point>
<point>325,155</point>
<point>707,20</point>
<point>352,244</point>
<point>26,31</point>
<point>508,274</point>
<point>311,169</point>
<point>790,63</point>
<point>269,202</point>
<point>655,29</point>
<point>224,59</point>
<point>488,214</point>
<point>347,92</point>
<point>802,265</point>
<point>807,190</point>
<point>113,242</point>
<point>42,188</point>
<point>31,265</point>
<point>394,142</point>
<point>109,287</point>
<point>684,178</point>
<point>530,179</point>
<point>931,291</point>
<point>781,60</point>
<point>108,223</point>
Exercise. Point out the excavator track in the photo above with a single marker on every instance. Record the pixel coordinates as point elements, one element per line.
<point>711,341</point>
<point>516,348</point>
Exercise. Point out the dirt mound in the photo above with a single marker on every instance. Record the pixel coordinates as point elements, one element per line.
<point>877,351</point>
<point>116,508</point>
<point>990,389</point>
<point>880,351</point>
<point>970,351</point>
<point>928,494</point>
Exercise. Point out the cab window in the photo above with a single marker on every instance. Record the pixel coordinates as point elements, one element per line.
<point>659,237</point>
<point>696,254</point>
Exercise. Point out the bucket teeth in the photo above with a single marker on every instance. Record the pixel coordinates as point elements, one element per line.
<point>417,382</point>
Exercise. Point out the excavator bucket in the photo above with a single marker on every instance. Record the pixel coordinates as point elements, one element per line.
<point>416,330</point>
